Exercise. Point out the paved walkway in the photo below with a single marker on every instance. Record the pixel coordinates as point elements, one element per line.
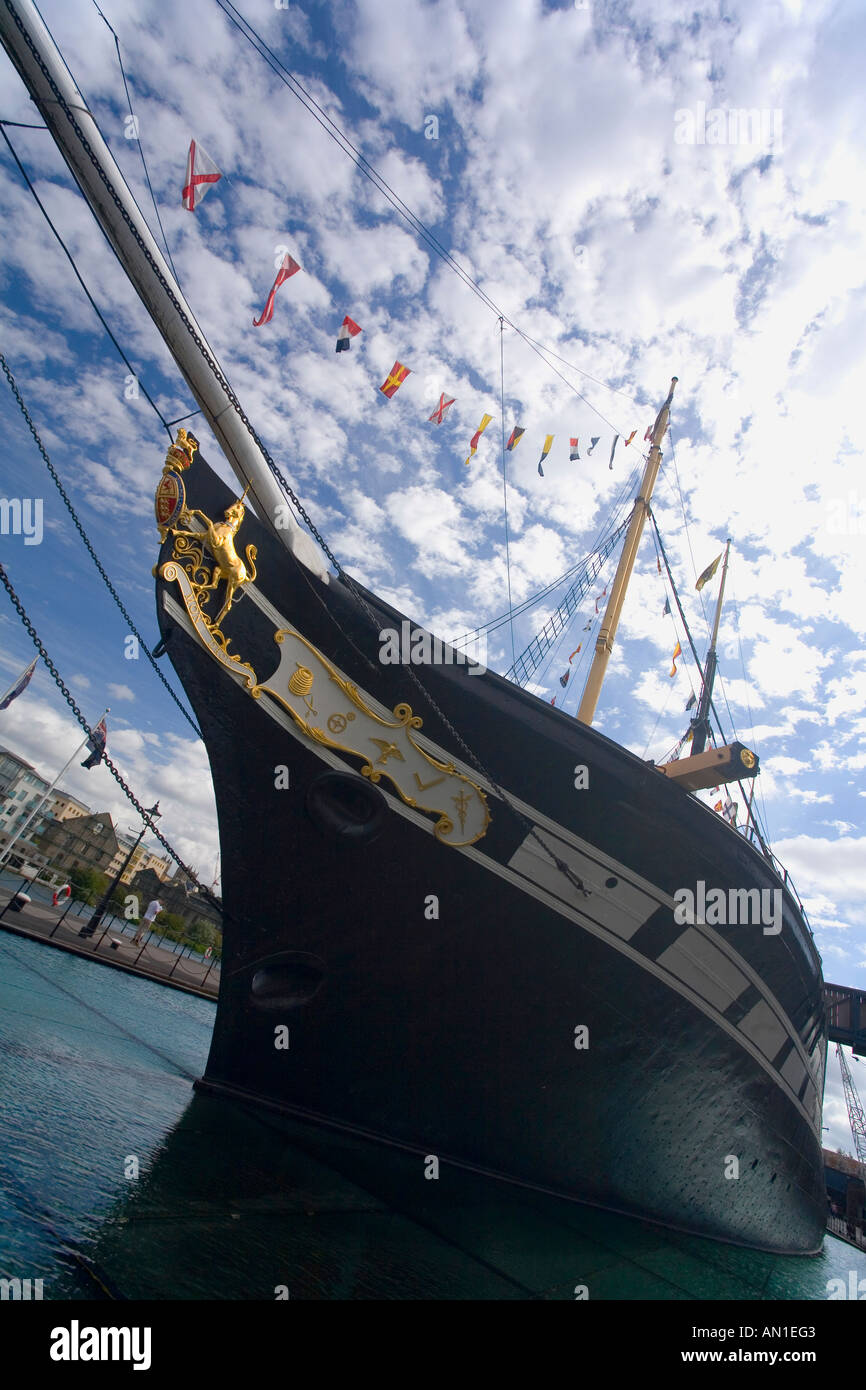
<point>56,926</point>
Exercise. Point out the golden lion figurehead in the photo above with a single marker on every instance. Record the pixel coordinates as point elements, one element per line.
<point>181,453</point>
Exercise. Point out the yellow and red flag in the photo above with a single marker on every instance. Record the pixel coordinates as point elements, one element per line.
<point>678,651</point>
<point>395,379</point>
<point>709,572</point>
<point>548,443</point>
<point>473,443</point>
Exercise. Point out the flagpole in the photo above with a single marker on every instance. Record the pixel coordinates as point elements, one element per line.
<point>610,621</point>
<point>38,807</point>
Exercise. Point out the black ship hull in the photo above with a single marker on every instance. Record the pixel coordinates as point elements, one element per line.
<point>475,1002</point>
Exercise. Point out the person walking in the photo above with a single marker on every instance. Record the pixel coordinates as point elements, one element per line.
<point>152,911</point>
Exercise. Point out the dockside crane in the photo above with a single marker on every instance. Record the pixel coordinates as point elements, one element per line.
<point>856,1115</point>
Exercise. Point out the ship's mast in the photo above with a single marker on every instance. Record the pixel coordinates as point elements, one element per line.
<point>610,621</point>
<point>701,721</point>
<point>62,107</point>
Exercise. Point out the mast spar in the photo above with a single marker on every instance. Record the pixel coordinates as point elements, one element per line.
<point>701,721</point>
<point>610,621</point>
<point>63,108</point>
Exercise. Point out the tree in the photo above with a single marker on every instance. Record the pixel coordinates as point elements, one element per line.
<point>117,901</point>
<point>88,885</point>
<point>170,925</point>
<point>201,934</point>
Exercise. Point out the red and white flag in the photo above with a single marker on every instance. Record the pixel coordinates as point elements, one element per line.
<point>439,413</point>
<point>288,267</point>
<point>349,329</point>
<point>201,172</point>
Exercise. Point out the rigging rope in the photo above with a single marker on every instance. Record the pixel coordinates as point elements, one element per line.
<point>93,555</point>
<point>534,653</point>
<point>138,142</point>
<point>381,184</point>
<point>78,277</point>
<point>226,388</point>
<point>125,788</point>
<point>548,589</point>
<point>759,826</point>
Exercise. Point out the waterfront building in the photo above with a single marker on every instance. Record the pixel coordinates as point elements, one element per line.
<point>85,842</point>
<point>21,789</point>
<point>176,895</point>
<point>64,806</point>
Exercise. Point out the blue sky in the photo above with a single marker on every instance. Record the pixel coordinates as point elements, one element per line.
<point>556,179</point>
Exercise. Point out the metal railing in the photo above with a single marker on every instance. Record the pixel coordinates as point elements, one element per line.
<point>757,841</point>
<point>846,1230</point>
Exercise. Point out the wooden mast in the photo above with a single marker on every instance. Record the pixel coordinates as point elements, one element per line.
<point>701,721</point>
<point>729,762</point>
<point>610,621</point>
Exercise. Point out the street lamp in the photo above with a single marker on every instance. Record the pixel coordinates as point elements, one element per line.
<point>90,927</point>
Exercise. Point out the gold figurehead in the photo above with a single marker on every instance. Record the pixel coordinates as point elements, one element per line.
<point>422,781</point>
<point>220,540</point>
<point>182,452</point>
<point>173,518</point>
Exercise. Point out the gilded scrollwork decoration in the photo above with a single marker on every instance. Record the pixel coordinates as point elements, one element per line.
<point>324,705</point>
<point>202,560</point>
<point>331,711</point>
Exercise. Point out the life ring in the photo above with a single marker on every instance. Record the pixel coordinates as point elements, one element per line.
<point>64,891</point>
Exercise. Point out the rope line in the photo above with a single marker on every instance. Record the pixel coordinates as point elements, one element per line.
<point>138,141</point>
<point>91,300</point>
<point>118,777</point>
<point>191,329</point>
<point>93,555</point>
<point>381,184</point>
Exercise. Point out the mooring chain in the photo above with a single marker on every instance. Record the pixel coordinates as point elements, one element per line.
<point>275,470</point>
<point>93,555</point>
<point>116,774</point>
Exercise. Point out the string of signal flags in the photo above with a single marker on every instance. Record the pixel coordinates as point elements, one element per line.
<point>704,578</point>
<point>201,175</point>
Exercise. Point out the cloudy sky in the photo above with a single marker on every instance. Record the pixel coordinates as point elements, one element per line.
<point>573,159</point>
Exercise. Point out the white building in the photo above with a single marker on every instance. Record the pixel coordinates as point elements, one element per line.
<point>21,789</point>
